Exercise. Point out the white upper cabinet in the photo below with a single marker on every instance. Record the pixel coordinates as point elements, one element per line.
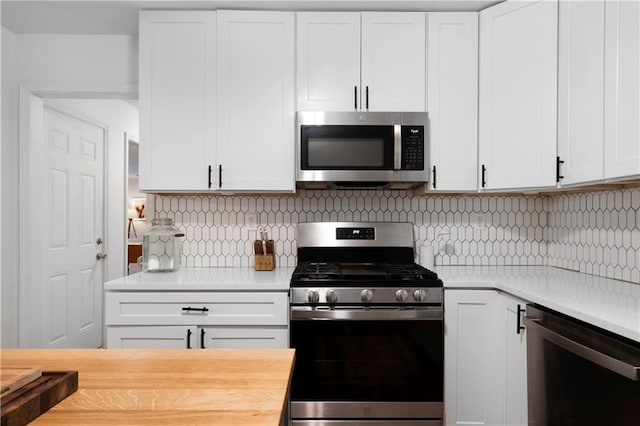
<point>328,62</point>
<point>452,97</point>
<point>581,91</point>
<point>622,89</point>
<point>177,99</point>
<point>518,95</point>
<point>256,101</point>
<point>393,61</point>
<point>350,61</point>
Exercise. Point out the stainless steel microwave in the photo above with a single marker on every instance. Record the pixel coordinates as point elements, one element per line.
<point>361,149</point>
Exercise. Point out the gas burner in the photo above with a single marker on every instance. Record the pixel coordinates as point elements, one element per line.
<point>310,271</point>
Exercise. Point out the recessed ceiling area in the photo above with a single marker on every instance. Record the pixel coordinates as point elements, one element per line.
<point>121,17</point>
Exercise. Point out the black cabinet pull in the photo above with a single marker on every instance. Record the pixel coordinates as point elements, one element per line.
<point>484,173</point>
<point>434,177</point>
<point>558,175</point>
<point>210,176</point>
<point>367,96</point>
<point>188,339</point>
<point>220,175</point>
<point>355,97</point>
<point>202,338</point>
<point>190,309</point>
<point>519,326</point>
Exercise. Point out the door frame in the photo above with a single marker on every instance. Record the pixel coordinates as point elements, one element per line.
<point>31,99</point>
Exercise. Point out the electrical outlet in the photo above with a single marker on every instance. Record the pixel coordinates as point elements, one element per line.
<point>251,221</point>
<point>479,221</point>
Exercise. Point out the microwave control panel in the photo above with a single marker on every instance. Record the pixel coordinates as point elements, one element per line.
<point>412,148</point>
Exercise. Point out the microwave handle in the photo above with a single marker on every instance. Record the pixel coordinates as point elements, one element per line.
<point>397,147</point>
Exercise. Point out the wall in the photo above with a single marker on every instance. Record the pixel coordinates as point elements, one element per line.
<point>91,60</point>
<point>9,193</point>
<point>76,63</point>
<point>216,235</point>
<point>597,233</point>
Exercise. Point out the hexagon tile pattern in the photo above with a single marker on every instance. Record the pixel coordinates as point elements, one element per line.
<point>596,233</point>
<point>464,230</point>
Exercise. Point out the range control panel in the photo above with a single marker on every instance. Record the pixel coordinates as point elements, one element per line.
<point>412,148</point>
<point>355,234</point>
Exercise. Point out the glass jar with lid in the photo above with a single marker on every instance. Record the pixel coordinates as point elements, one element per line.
<point>162,246</point>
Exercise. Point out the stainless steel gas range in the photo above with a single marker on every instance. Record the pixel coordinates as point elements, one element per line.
<point>367,326</point>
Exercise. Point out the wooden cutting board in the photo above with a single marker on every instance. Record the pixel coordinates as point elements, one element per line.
<point>16,377</point>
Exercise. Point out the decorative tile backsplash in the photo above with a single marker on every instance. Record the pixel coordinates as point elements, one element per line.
<point>596,233</point>
<point>468,230</point>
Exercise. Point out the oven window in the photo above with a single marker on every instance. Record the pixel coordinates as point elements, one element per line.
<point>342,147</point>
<point>367,360</point>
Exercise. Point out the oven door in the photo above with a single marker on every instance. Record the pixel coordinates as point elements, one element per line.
<point>382,364</point>
<point>578,375</point>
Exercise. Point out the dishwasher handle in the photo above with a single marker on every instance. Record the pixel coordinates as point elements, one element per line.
<point>611,354</point>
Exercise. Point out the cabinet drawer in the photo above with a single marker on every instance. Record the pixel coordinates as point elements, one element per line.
<point>241,308</point>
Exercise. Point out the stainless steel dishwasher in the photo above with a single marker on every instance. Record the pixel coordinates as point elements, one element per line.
<point>578,374</point>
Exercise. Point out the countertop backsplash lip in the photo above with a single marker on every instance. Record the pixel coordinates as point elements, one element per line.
<point>564,230</point>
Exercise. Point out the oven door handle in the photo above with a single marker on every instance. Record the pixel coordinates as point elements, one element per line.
<point>610,361</point>
<point>428,314</point>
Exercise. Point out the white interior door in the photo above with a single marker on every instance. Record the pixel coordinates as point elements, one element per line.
<point>71,225</point>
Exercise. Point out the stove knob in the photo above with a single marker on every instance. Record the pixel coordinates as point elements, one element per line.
<point>419,295</point>
<point>313,296</point>
<point>332,296</point>
<point>401,295</point>
<point>366,295</point>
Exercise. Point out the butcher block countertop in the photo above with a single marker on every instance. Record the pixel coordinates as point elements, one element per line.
<point>166,386</point>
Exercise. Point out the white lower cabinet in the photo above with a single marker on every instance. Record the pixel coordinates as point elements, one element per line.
<point>485,359</point>
<point>194,337</point>
<point>195,320</point>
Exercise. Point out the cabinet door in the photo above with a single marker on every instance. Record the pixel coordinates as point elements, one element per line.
<point>177,99</point>
<point>151,337</point>
<point>513,366</point>
<point>518,74</point>
<point>393,61</point>
<point>255,101</point>
<point>471,349</point>
<point>328,61</point>
<point>622,89</point>
<point>452,95</point>
<point>242,337</point>
<point>581,90</point>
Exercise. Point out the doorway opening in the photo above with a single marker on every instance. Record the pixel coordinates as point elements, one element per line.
<point>90,210</point>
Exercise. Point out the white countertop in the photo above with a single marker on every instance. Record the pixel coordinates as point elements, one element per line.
<point>205,279</point>
<point>610,304</point>
<point>606,303</point>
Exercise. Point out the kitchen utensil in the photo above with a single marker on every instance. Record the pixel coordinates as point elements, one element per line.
<point>263,234</point>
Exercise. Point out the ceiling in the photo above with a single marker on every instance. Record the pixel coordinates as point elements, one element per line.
<point>121,16</point>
